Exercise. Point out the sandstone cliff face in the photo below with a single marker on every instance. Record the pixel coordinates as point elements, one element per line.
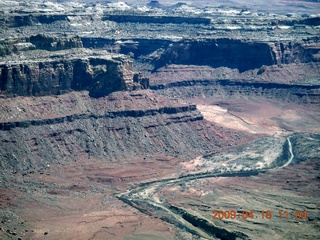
<point>285,53</point>
<point>222,52</point>
<point>237,54</point>
<point>217,53</point>
<point>69,70</point>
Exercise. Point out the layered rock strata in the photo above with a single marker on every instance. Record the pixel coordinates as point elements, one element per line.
<point>41,73</point>
<point>236,54</point>
<point>156,19</point>
<point>54,43</point>
<point>220,52</point>
<point>116,127</point>
<point>224,88</point>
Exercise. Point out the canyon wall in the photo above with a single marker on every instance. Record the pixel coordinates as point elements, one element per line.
<point>120,126</point>
<point>25,18</point>
<point>32,19</point>
<point>224,88</point>
<point>221,52</point>
<point>237,54</point>
<point>216,53</point>
<point>290,52</point>
<point>162,19</point>
<point>100,75</point>
<point>37,65</point>
<point>51,43</point>
<point>139,47</point>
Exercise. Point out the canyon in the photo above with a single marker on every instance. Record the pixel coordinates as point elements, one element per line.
<point>139,120</point>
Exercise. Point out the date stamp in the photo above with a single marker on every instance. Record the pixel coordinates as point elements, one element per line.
<point>265,214</point>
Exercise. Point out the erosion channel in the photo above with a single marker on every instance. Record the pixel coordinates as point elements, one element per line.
<point>145,197</point>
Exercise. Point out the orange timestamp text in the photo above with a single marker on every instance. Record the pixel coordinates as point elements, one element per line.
<point>265,214</point>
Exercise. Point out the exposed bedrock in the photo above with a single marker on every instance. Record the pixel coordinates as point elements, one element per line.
<point>138,47</point>
<point>30,20</point>
<point>290,52</point>
<point>156,19</point>
<point>236,54</point>
<point>65,71</point>
<point>221,52</point>
<point>39,41</point>
<point>223,88</point>
<point>95,129</point>
<point>33,19</point>
<point>6,126</point>
<point>51,43</point>
<point>217,53</point>
<point>36,19</point>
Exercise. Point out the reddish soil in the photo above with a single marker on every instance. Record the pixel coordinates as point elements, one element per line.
<point>76,201</point>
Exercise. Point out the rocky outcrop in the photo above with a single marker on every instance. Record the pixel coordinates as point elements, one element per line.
<point>31,20</point>
<point>139,47</point>
<point>6,48</point>
<point>39,41</point>
<point>25,19</point>
<point>236,54</point>
<point>285,53</point>
<point>69,70</point>
<point>14,46</point>
<point>217,53</point>
<point>51,43</point>
<point>222,52</point>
